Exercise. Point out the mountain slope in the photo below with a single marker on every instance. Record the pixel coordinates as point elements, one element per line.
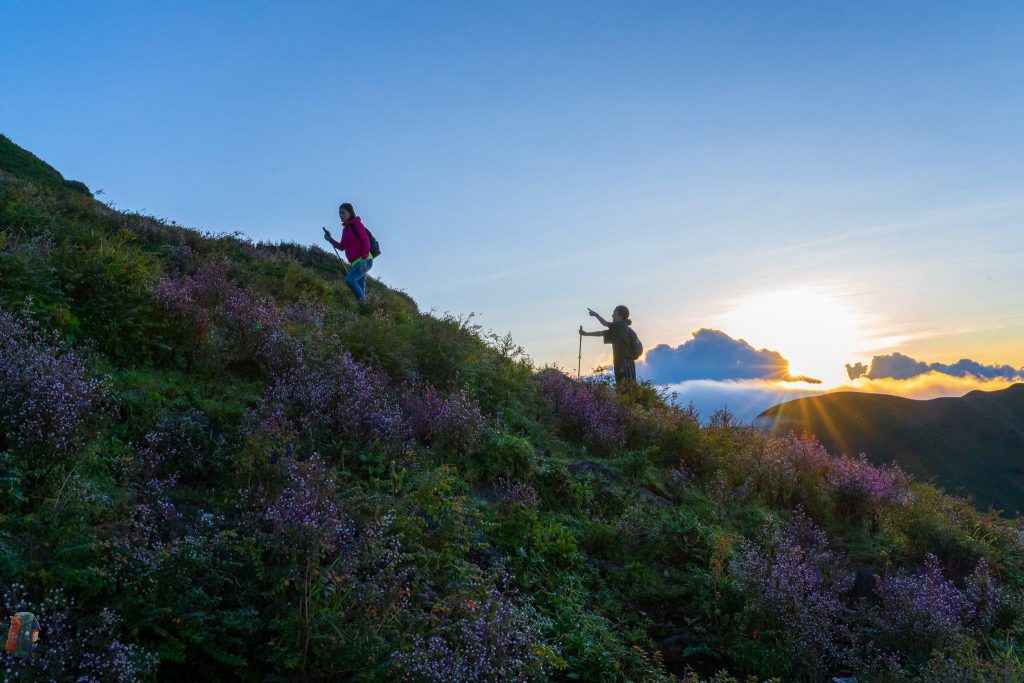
<point>215,465</point>
<point>970,445</point>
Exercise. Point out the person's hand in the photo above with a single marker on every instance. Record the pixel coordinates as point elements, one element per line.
<point>327,234</point>
<point>581,330</point>
<point>592,312</point>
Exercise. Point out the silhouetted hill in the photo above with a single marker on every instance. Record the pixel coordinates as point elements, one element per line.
<point>24,164</point>
<point>973,445</point>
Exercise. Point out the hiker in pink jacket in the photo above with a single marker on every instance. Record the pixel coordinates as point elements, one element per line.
<point>355,242</point>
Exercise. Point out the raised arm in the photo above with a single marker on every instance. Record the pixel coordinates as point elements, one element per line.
<point>599,318</point>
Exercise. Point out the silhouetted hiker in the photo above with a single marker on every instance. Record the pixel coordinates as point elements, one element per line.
<point>626,346</point>
<point>355,242</point>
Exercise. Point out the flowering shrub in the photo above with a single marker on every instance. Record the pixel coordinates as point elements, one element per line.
<point>494,641</point>
<point>374,572</point>
<point>925,610</point>
<point>306,314</point>
<point>791,581</point>
<point>681,475</point>
<point>174,446</point>
<point>798,470</point>
<point>451,423</point>
<point>587,411</point>
<point>253,328</point>
<point>652,419</point>
<point>155,539</point>
<point>517,492</point>
<point>306,513</point>
<point>858,486</point>
<point>47,396</point>
<point>250,325</point>
<point>351,583</point>
<point>194,295</point>
<point>178,294</point>
<point>345,397</point>
<point>984,594</point>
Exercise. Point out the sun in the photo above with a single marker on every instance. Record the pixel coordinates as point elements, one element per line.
<point>817,331</point>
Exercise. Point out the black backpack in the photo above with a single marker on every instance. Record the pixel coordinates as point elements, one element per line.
<point>374,245</point>
<point>636,348</point>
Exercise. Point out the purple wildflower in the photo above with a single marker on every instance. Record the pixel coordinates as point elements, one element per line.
<point>250,325</point>
<point>924,610</point>
<point>453,422</point>
<point>857,485</point>
<point>792,582</point>
<point>307,512</point>
<point>516,492</point>
<point>306,314</point>
<point>587,411</point>
<point>796,469</point>
<point>47,397</point>
<point>983,593</point>
<point>494,641</point>
<point>681,475</point>
<point>345,397</point>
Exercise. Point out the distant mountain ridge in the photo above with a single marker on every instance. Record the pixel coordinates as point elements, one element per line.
<point>972,445</point>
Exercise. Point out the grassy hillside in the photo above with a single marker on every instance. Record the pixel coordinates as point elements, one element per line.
<point>215,466</point>
<point>972,445</point>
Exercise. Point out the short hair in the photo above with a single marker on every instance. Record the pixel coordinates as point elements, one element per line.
<point>347,207</point>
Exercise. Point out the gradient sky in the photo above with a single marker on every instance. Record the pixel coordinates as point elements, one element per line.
<point>702,163</point>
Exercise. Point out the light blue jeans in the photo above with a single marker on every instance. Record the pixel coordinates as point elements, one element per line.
<point>356,278</point>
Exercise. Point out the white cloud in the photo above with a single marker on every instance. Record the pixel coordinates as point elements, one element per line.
<point>748,399</point>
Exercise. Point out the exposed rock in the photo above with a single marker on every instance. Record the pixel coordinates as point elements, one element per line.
<point>864,583</point>
<point>652,497</point>
<point>482,552</point>
<point>685,649</point>
<point>595,468</point>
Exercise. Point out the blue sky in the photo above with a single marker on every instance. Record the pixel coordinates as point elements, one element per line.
<point>699,162</point>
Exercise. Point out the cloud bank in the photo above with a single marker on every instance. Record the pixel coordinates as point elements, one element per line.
<point>748,399</point>
<point>899,366</point>
<point>714,371</point>
<point>714,355</point>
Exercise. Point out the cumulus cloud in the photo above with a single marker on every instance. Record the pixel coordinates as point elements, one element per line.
<point>714,355</point>
<point>899,366</point>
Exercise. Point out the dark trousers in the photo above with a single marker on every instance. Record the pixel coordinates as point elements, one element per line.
<point>625,370</point>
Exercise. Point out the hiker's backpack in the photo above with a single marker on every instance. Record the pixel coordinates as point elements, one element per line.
<point>22,635</point>
<point>374,245</point>
<point>636,348</point>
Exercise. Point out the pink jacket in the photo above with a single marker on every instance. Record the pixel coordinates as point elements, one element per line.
<point>354,240</point>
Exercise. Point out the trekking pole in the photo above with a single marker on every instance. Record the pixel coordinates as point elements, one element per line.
<point>344,270</point>
<point>579,360</point>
